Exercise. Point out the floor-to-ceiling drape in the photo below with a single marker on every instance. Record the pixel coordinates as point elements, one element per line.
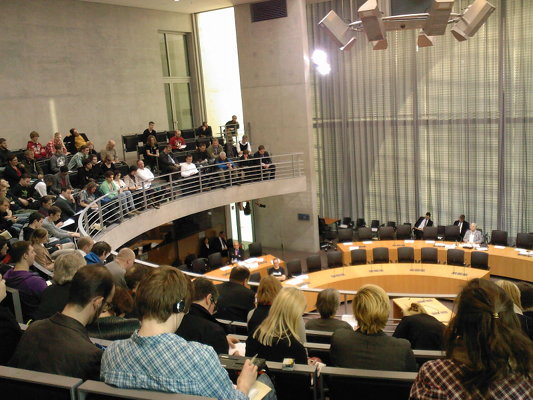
<point>445,129</point>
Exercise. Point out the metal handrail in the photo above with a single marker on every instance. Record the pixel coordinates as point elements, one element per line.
<point>107,209</point>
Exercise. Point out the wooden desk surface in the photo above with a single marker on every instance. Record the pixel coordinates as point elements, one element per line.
<point>433,307</point>
<point>394,278</point>
<point>502,262</point>
<point>329,221</point>
<point>262,267</point>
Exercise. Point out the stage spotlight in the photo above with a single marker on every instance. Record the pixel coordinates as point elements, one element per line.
<point>424,40</point>
<point>379,44</point>
<point>319,57</point>
<point>338,30</point>
<point>372,22</point>
<point>439,14</point>
<point>470,22</point>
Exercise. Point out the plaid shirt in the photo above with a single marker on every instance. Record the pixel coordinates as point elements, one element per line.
<point>167,363</point>
<point>439,379</point>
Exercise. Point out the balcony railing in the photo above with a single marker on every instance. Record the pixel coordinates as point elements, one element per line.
<point>116,207</point>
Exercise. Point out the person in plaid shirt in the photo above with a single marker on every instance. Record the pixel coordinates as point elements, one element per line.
<point>155,358</point>
<point>487,354</point>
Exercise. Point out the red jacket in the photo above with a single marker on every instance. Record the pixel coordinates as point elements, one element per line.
<point>38,149</point>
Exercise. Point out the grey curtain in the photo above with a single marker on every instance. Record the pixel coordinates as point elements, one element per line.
<point>445,129</point>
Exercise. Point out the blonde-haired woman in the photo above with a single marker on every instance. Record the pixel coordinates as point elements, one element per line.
<point>278,336</point>
<point>268,289</point>
<point>514,293</point>
<point>369,347</point>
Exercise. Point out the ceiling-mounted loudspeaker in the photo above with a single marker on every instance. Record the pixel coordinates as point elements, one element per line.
<point>370,16</point>
<point>338,30</point>
<point>475,15</point>
<point>424,40</point>
<point>438,17</point>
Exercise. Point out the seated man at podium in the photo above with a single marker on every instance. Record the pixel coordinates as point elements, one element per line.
<point>473,236</point>
<point>421,224</point>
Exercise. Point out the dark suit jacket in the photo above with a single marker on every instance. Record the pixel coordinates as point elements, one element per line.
<point>235,254</point>
<point>464,228</point>
<point>234,302</point>
<point>67,208</point>
<point>429,223</point>
<point>351,349</point>
<point>164,163</point>
<point>11,175</point>
<point>423,331</point>
<point>217,246</point>
<point>200,326</point>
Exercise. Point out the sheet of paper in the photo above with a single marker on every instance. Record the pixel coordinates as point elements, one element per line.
<point>499,247</point>
<point>68,222</point>
<point>258,391</point>
<point>408,241</point>
<point>347,243</point>
<point>368,242</point>
<point>354,247</point>
<point>239,348</point>
<point>350,319</point>
<point>226,268</point>
<point>428,241</point>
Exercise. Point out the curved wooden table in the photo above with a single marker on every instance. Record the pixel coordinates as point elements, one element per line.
<point>261,267</point>
<point>393,278</point>
<point>502,262</point>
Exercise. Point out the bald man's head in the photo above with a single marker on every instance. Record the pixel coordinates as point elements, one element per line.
<point>126,258</point>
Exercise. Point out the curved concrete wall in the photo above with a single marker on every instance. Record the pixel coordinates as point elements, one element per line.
<point>117,235</point>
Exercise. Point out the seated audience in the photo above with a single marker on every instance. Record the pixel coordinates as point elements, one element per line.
<point>62,180</point>
<point>8,221</point>
<point>236,253</point>
<point>514,293</point>
<point>4,152</point>
<point>58,159</point>
<point>13,171</point>
<point>85,174</point>
<point>150,131</point>
<point>118,267</point>
<point>4,247</point>
<point>35,221</point>
<point>60,344</point>
<point>472,235</point>
<point>112,324</point>
<point>55,297</point>
<point>47,202</point>
<point>88,195</point>
<point>22,193</point>
<point>423,331</point>
<point>54,145</point>
<point>487,354</point>
<point>29,284</point>
<point>144,176</point>
<point>151,153</point>
<point>107,165</point>
<point>277,271</point>
<point>199,325</point>
<point>232,125</point>
<point>204,129</point>
<point>205,248</point>
<point>85,245</point>
<point>188,168</point>
<point>51,222</point>
<point>38,239</point>
<point>201,156</point>
<point>420,224</point>
<point>244,144</point>
<point>113,192</point>
<point>40,189</point>
<point>167,164</point>
<point>526,297</point>
<point>131,179</point>
<point>50,182</point>
<point>190,178</point>
<point>92,151</point>
<point>31,166</point>
<point>98,254</point>
<point>65,202</point>
<point>36,148</point>
<point>247,164</point>
<point>369,347</point>
<point>177,142</point>
<point>327,303</point>
<point>135,275</point>
<point>10,331</point>
<point>214,149</point>
<point>225,167</point>
<point>268,289</point>
<point>75,140</point>
<point>263,159</point>
<point>96,170</point>
<point>235,299</point>
<point>109,151</point>
<point>76,161</point>
<point>155,358</point>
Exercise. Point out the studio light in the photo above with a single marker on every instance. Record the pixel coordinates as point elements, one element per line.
<point>473,18</point>
<point>338,30</point>
<point>320,60</point>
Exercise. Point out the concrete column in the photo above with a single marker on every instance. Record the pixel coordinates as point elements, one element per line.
<point>275,84</point>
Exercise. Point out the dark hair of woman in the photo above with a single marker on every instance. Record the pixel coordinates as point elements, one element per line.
<point>485,337</point>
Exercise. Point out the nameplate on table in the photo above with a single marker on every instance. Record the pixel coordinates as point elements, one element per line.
<point>499,247</point>
<point>347,243</point>
<point>226,268</point>
<point>408,241</point>
<point>526,253</point>
<point>429,241</point>
<point>354,247</point>
<point>367,242</point>
<point>439,244</point>
<point>449,246</point>
<point>483,248</point>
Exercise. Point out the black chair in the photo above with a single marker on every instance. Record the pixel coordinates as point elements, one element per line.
<point>499,238</point>
<point>25,384</point>
<point>524,241</point>
<point>391,223</point>
<point>334,259</point>
<point>347,221</point>
<point>403,232</point>
<point>199,265</point>
<point>429,255</point>
<point>255,249</point>
<point>294,268</point>
<point>455,257</point>
<point>188,133</point>
<point>255,277</point>
<point>129,143</point>
<point>429,233</point>
<point>441,230</point>
<point>406,255</point>
<point>314,263</point>
<point>161,137</point>
<point>358,256</point>
<point>214,261</point>
<point>345,235</point>
<point>374,223</point>
<point>451,233</point>
<point>364,234</point>
<point>380,255</point>
<point>386,233</point>
<point>479,259</point>
<point>360,223</point>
